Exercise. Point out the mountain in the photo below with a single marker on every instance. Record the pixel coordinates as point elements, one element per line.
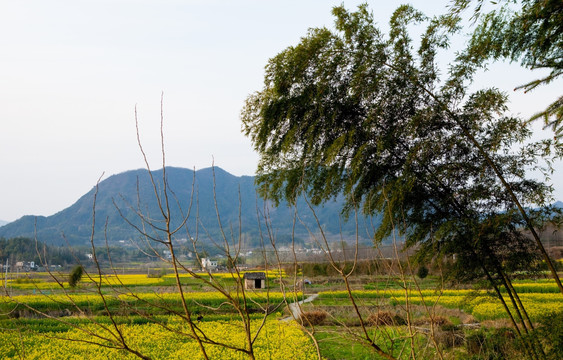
<point>2,222</point>
<point>121,197</point>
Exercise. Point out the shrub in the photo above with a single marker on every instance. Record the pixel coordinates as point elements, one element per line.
<point>386,318</point>
<point>441,321</point>
<point>399,320</point>
<point>25,281</point>
<point>450,336</point>
<point>316,317</point>
<point>75,276</point>
<point>159,274</point>
<point>550,331</point>
<point>492,344</point>
<point>422,272</point>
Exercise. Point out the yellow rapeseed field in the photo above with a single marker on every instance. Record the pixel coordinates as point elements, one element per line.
<point>537,297</point>
<point>277,340</point>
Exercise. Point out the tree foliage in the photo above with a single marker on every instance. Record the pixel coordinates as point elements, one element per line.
<point>422,272</point>
<point>530,32</point>
<point>25,249</point>
<point>75,276</point>
<point>357,112</point>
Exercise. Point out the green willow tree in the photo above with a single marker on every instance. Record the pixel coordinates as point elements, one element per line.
<point>355,112</point>
<point>529,32</point>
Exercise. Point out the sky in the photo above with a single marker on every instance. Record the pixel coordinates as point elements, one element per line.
<point>73,72</point>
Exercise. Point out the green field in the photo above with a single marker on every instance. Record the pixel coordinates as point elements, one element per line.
<point>47,319</point>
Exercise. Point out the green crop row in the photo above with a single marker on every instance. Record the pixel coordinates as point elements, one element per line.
<point>150,302</point>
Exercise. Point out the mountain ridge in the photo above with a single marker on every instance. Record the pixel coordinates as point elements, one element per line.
<point>117,204</point>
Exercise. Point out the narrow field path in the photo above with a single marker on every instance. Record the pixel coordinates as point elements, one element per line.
<point>295,308</point>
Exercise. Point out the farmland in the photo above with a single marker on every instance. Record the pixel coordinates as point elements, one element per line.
<point>401,203</point>
<point>45,318</point>
<point>47,340</point>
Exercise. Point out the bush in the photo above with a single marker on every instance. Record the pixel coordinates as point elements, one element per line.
<point>386,318</point>
<point>450,336</point>
<point>550,332</point>
<point>75,276</point>
<point>422,272</point>
<point>316,317</point>
<point>492,344</point>
<point>25,281</point>
<point>158,274</point>
<point>441,321</point>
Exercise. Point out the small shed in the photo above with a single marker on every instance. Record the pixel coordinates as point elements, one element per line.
<point>254,280</point>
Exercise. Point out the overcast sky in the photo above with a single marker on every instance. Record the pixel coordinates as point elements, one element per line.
<point>72,72</point>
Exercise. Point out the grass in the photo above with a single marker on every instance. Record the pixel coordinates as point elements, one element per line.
<point>396,283</point>
<point>336,344</point>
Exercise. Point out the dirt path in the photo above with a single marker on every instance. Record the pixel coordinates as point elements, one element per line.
<point>295,308</point>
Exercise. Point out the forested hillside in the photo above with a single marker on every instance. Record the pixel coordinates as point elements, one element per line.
<point>25,249</point>
<point>122,196</point>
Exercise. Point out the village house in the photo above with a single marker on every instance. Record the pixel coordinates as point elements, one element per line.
<point>208,264</point>
<point>25,266</point>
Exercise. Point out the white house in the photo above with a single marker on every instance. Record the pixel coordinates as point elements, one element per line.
<point>208,265</point>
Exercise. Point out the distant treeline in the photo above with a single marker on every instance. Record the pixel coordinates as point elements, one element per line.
<point>25,249</point>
